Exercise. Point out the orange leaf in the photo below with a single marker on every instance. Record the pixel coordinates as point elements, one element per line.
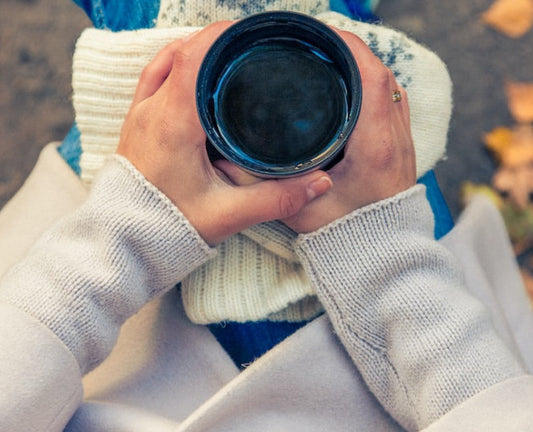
<point>511,17</point>
<point>511,147</point>
<point>514,177</point>
<point>520,100</point>
<point>498,141</point>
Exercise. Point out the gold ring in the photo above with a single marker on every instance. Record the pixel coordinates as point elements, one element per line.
<point>396,96</point>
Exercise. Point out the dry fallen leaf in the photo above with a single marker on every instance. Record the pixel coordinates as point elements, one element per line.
<point>519,224</point>
<point>498,141</point>
<point>520,100</point>
<point>516,184</point>
<point>514,151</point>
<point>513,18</point>
<point>512,146</point>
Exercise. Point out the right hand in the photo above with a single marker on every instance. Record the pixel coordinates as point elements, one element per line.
<point>379,159</point>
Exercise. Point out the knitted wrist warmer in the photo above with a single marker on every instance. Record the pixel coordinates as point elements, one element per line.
<point>126,245</point>
<point>397,302</point>
<point>106,69</point>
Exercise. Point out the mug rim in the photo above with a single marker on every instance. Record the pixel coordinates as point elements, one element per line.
<point>204,92</point>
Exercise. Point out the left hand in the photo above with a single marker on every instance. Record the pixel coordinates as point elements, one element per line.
<point>163,138</point>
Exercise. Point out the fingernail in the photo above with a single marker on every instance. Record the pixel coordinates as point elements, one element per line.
<point>318,187</point>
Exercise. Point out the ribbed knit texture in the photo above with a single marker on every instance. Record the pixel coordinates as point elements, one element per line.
<point>246,282</point>
<point>107,66</point>
<point>126,245</point>
<point>397,302</point>
<point>106,70</point>
<point>395,296</point>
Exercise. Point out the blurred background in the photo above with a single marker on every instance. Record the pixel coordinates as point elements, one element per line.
<point>37,39</point>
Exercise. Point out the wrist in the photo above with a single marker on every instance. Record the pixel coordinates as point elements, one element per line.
<point>397,300</point>
<point>167,243</point>
<point>404,212</point>
<point>126,245</point>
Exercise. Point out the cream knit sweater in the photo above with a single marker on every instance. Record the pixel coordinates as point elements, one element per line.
<point>256,274</point>
<point>395,296</point>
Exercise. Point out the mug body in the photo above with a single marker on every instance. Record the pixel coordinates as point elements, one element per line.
<point>278,94</point>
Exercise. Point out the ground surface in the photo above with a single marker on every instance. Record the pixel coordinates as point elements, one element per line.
<point>37,39</point>
<point>36,44</point>
<point>479,60</point>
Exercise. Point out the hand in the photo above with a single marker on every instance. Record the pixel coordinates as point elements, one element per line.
<point>379,159</point>
<point>163,138</point>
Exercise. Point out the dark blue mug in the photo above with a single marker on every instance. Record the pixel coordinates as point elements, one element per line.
<point>278,94</point>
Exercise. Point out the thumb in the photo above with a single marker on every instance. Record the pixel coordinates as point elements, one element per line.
<point>276,199</point>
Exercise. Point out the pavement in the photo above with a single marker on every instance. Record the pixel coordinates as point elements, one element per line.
<point>37,40</point>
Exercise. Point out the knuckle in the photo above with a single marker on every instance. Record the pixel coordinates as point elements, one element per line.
<point>181,58</point>
<point>218,26</point>
<point>382,77</point>
<point>354,42</point>
<point>147,73</point>
<point>349,38</point>
<point>385,154</point>
<point>140,118</point>
<point>286,205</point>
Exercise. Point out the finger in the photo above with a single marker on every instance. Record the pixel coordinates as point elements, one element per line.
<point>406,110</point>
<point>360,50</point>
<point>400,107</point>
<point>235,174</point>
<point>403,110</point>
<point>276,199</point>
<point>194,48</point>
<point>156,72</point>
<point>401,123</point>
<point>185,66</point>
<point>376,106</point>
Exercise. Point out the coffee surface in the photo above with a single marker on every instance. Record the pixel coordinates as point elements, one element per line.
<point>280,102</point>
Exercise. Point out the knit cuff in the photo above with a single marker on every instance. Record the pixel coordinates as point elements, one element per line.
<point>397,301</point>
<point>144,222</point>
<point>404,212</point>
<point>126,245</point>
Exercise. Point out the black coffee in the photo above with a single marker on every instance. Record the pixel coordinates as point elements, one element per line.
<point>281,102</point>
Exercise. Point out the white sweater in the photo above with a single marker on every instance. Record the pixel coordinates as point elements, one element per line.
<point>106,68</point>
<point>395,296</point>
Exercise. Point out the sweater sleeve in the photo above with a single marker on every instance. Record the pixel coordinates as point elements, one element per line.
<point>398,304</point>
<point>126,245</point>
